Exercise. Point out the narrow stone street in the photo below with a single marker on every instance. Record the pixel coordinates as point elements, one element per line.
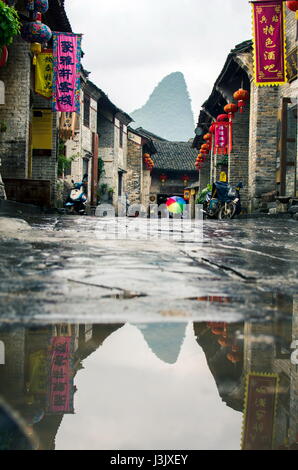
<point>58,270</point>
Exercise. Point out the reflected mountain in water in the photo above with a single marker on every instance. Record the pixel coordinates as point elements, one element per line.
<point>164,340</point>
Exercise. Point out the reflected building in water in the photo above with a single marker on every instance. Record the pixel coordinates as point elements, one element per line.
<point>33,378</point>
<point>251,362</point>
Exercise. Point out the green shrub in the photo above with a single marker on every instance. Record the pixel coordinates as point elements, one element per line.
<point>9,24</point>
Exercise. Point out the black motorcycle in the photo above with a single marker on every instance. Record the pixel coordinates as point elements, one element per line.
<point>223,202</point>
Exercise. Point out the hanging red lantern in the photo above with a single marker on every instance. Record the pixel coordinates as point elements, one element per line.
<point>234,357</point>
<point>222,118</point>
<point>185,179</point>
<point>293,6</point>
<point>212,128</point>
<point>224,342</point>
<point>206,147</point>
<point>231,109</point>
<point>3,56</point>
<point>241,96</point>
<point>207,136</point>
<point>163,178</point>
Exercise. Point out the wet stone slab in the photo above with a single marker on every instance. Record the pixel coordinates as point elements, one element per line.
<point>61,270</point>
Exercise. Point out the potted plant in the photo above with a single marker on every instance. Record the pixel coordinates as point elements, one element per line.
<point>223,163</point>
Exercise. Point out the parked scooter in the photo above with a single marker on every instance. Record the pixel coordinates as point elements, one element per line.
<point>223,202</point>
<point>77,199</point>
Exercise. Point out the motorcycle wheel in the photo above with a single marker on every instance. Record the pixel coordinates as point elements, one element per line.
<point>70,210</point>
<point>227,211</point>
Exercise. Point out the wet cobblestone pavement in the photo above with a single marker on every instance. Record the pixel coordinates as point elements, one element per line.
<point>60,270</point>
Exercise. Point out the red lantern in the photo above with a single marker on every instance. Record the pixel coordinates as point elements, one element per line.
<point>222,118</point>
<point>206,147</point>
<point>207,136</point>
<point>185,179</point>
<point>3,56</point>
<point>212,129</point>
<point>241,96</point>
<point>224,342</point>
<point>163,178</point>
<point>231,109</point>
<point>234,357</point>
<point>293,6</point>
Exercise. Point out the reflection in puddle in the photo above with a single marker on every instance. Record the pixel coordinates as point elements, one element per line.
<point>209,385</point>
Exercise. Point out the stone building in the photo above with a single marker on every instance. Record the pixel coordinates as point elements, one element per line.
<point>264,155</point>
<point>174,170</point>
<point>25,378</point>
<point>99,146</point>
<point>29,170</point>
<point>274,355</point>
<point>138,176</point>
<point>82,149</point>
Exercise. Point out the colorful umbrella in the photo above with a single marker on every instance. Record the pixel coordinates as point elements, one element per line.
<point>176,205</point>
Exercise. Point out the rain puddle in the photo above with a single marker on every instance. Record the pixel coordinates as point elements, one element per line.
<point>206,385</point>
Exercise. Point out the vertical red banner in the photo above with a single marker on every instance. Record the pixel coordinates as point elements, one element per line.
<point>259,411</point>
<point>221,138</point>
<point>269,43</point>
<point>67,70</point>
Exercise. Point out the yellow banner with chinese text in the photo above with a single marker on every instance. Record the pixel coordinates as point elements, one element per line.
<point>44,74</point>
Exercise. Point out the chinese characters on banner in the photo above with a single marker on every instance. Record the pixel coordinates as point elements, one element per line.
<point>221,138</point>
<point>61,388</point>
<point>67,65</point>
<point>44,74</point>
<point>269,43</point>
<point>259,412</point>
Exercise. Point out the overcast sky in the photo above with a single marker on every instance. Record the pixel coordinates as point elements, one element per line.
<point>130,46</point>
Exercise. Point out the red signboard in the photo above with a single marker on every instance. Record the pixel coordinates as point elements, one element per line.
<point>67,70</point>
<point>269,42</point>
<point>222,138</point>
<point>61,389</point>
<point>259,411</point>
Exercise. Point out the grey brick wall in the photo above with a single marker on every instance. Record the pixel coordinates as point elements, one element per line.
<point>263,142</point>
<point>134,171</point>
<point>16,112</point>
<point>238,159</point>
<point>45,168</point>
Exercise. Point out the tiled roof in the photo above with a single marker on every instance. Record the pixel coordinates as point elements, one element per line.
<point>175,156</point>
<point>150,135</point>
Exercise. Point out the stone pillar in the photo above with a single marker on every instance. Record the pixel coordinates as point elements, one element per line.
<point>264,106</point>
<point>15,114</point>
<point>238,159</point>
<point>134,171</point>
